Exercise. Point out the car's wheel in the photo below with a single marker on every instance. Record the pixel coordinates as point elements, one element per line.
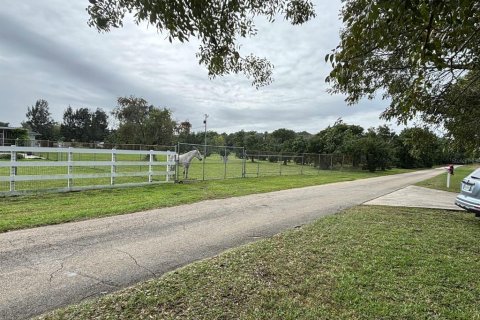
<point>477,214</point>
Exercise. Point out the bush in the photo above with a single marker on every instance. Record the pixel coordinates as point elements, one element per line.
<point>7,156</point>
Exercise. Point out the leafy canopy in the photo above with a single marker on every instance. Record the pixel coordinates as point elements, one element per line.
<point>411,51</point>
<point>216,23</point>
<point>142,123</point>
<point>39,119</point>
<point>459,110</point>
<point>84,125</point>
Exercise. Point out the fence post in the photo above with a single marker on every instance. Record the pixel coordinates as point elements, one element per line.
<point>172,158</point>
<point>301,168</point>
<point>177,162</point>
<point>150,168</point>
<point>244,163</point>
<point>13,168</point>
<point>319,159</point>
<point>280,164</point>
<point>69,168</point>
<point>331,162</point>
<point>258,168</point>
<point>169,158</point>
<point>225,163</point>
<point>203,162</point>
<point>113,168</point>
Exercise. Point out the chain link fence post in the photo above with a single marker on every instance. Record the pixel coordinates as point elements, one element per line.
<point>224,158</point>
<point>301,168</point>
<point>244,163</point>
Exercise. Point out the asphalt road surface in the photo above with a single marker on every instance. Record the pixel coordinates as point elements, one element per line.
<point>45,268</point>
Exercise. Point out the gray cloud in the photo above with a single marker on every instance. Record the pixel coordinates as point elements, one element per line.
<point>46,54</point>
<point>47,51</point>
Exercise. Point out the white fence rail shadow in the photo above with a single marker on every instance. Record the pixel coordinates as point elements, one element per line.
<point>24,169</point>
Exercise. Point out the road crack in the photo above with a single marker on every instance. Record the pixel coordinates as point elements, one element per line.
<point>136,262</point>
<point>62,262</point>
<point>56,271</point>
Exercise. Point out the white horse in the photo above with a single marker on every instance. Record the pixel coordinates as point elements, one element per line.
<point>185,159</point>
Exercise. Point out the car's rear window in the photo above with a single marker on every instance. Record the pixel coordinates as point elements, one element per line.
<point>475,174</point>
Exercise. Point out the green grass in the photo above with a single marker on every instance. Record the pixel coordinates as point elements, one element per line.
<point>44,209</point>
<point>440,182</point>
<point>364,263</point>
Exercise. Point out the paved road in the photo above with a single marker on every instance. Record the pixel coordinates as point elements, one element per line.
<point>45,268</point>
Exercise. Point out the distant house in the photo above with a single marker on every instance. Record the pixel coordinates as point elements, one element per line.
<point>9,135</point>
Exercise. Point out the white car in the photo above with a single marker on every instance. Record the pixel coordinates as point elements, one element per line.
<point>469,197</point>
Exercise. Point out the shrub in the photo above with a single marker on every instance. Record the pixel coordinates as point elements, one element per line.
<point>7,156</point>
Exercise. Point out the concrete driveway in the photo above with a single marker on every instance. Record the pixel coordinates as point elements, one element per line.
<point>418,197</point>
<point>49,267</point>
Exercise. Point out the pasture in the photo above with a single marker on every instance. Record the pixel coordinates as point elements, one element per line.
<point>95,170</point>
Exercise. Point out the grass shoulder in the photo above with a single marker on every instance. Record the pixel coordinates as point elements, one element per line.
<point>440,182</point>
<point>45,209</point>
<point>364,263</point>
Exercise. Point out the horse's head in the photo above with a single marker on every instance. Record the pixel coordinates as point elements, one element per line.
<point>198,155</point>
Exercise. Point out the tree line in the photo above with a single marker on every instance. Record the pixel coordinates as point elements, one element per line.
<point>138,122</point>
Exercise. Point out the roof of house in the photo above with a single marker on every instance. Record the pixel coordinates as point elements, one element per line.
<point>28,131</point>
<point>12,128</point>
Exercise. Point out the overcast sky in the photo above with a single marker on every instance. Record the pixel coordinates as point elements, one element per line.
<point>47,51</point>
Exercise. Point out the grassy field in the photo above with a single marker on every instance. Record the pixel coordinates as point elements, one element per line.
<point>364,263</point>
<point>44,209</point>
<point>440,182</point>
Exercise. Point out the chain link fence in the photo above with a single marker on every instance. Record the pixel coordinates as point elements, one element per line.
<point>218,162</point>
<point>224,162</point>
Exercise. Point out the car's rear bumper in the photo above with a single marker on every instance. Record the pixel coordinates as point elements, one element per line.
<point>468,203</point>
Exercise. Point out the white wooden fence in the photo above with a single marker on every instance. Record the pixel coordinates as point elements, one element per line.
<point>66,170</point>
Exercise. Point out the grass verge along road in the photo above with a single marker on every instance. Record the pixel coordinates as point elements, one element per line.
<point>440,182</point>
<point>44,209</point>
<point>364,263</point>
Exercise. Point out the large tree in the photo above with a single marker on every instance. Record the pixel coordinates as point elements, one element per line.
<point>409,51</point>
<point>418,147</point>
<point>218,24</point>
<point>375,151</point>
<point>339,138</point>
<point>84,125</point>
<point>40,120</point>
<point>141,123</point>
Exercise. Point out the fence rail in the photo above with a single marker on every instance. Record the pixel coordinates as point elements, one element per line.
<point>24,169</point>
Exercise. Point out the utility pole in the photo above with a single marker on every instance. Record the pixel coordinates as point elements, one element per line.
<point>204,146</point>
